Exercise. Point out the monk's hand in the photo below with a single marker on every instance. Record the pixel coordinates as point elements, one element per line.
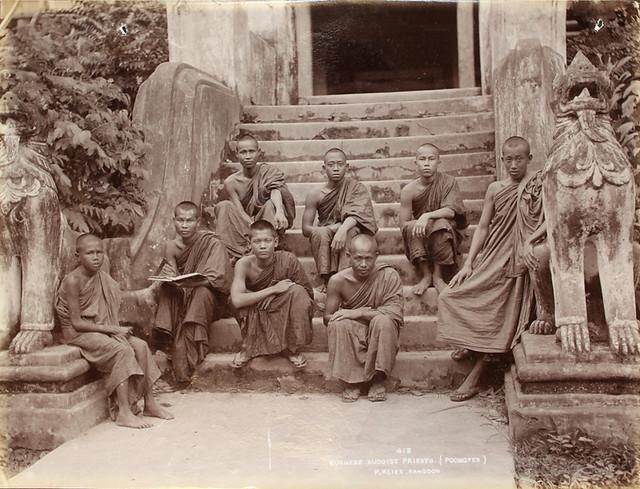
<point>281,220</point>
<point>282,286</point>
<point>461,276</point>
<point>420,227</point>
<point>339,240</point>
<point>529,256</point>
<point>345,314</point>
<point>125,331</point>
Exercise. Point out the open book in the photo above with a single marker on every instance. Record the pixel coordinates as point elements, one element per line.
<point>180,278</point>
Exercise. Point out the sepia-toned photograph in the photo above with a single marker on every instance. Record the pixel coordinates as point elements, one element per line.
<point>300,244</point>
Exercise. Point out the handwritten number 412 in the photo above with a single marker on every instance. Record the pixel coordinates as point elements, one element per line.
<point>403,451</point>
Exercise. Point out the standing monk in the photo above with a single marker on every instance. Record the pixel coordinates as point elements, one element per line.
<point>344,210</point>
<point>432,216</point>
<point>257,192</point>
<point>273,298</point>
<point>364,316</point>
<point>487,304</point>
<point>87,306</point>
<point>186,309</point>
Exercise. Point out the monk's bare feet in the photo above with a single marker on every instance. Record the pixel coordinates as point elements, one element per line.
<point>152,408</point>
<point>540,326</point>
<point>241,359</point>
<point>439,284</point>
<point>422,286</point>
<point>297,359</point>
<point>351,393</point>
<point>128,420</point>
<point>461,354</point>
<point>462,395</point>
<point>377,392</point>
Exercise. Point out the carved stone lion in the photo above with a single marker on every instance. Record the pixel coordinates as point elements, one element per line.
<point>589,198</point>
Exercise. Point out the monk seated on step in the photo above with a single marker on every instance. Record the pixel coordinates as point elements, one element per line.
<point>87,307</point>
<point>257,192</point>
<point>486,306</point>
<point>273,300</point>
<point>344,209</point>
<point>186,308</point>
<point>432,216</point>
<point>363,315</point>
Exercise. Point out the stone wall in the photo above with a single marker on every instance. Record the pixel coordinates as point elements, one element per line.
<point>247,46</point>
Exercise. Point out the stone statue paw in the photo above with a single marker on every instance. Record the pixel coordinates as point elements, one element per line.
<point>542,326</point>
<point>624,337</point>
<point>29,341</point>
<point>574,336</point>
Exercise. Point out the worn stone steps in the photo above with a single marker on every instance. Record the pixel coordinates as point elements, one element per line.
<point>381,191</point>
<point>456,123</point>
<point>376,147</point>
<point>461,164</point>
<point>353,98</point>
<point>367,110</point>
<point>418,334</point>
<point>386,214</point>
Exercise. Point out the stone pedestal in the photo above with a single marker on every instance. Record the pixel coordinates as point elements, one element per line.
<point>548,390</point>
<point>49,397</point>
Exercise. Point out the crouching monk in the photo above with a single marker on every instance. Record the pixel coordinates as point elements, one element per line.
<point>363,314</point>
<point>187,308</point>
<point>274,300</point>
<point>87,308</point>
<point>258,192</point>
<point>486,306</point>
<point>344,209</point>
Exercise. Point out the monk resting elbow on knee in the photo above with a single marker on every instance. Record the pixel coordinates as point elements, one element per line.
<point>87,307</point>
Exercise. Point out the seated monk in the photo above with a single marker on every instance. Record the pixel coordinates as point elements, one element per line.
<point>344,209</point>
<point>363,315</point>
<point>258,192</point>
<point>273,298</point>
<point>431,216</point>
<point>87,307</point>
<point>486,306</point>
<point>186,309</point>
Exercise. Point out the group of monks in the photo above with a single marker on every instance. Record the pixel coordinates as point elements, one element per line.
<point>243,270</point>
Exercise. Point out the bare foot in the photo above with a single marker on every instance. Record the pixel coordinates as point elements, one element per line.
<point>459,396</point>
<point>575,337</point>
<point>421,287</point>
<point>624,337</point>
<point>377,392</point>
<point>152,408</point>
<point>128,420</point>
<point>241,359</point>
<point>461,354</point>
<point>351,393</point>
<point>439,284</point>
<point>541,326</point>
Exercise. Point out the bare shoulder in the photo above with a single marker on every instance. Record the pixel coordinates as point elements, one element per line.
<point>231,180</point>
<point>494,187</point>
<point>72,280</point>
<point>314,197</point>
<point>243,264</point>
<point>335,282</point>
<point>410,189</point>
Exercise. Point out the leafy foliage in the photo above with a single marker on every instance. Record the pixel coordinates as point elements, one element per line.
<point>77,73</point>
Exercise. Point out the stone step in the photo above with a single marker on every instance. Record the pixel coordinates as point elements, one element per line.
<point>418,334</point>
<point>389,241</point>
<point>424,370</point>
<point>354,98</point>
<point>388,191</point>
<point>387,213</point>
<point>367,110</point>
<point>461,164</point>
<point>279,131</point>
<point>376,147</point>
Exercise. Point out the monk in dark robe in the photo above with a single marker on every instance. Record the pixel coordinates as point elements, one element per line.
<point>344,209</point>
<point>187,308</point>
<point>87,307</point>
<point>432,217</point>
<point>363,315</point>
<point>487,304</point>
<point>273,299</point>
<point>258,192</point>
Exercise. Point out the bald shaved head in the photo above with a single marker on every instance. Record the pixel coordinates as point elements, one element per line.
<point>430,147</point>
<point>362,242</point>
<point>362,253</point>
<point>516,142</point>
<point>84,239</point>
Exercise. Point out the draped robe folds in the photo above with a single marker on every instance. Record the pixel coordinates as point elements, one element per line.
<point>489,311</point>
<point>357,349</point>
<point>232,227</point>
<point>117,357</point>
<point>349,199</point>
<point>443,236</point>
<point>185,313</point>
<point>279,322</point>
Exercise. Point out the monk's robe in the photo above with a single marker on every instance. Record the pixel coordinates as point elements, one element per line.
<point>443,236</point>
<point>349,199</point>
<point>489,311</point>
<point>357,349</point>
<point>184,314</point>
<point>117,357</point>
<point>232,227</point>
<point>279,322</point>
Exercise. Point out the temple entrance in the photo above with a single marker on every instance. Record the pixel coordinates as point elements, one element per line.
<point>391,46</point>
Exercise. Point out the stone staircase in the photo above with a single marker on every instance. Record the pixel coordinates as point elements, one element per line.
<point>380,133</point>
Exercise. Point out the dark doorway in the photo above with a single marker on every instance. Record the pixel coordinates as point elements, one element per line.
<point>383,46</point>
